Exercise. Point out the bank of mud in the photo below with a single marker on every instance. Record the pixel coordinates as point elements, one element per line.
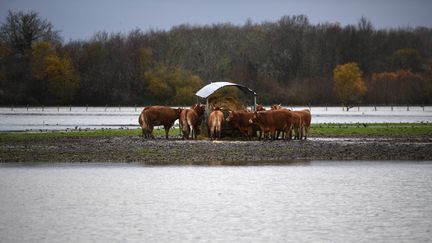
<point>184,152</point>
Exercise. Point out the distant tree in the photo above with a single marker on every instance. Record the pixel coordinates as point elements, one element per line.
<point>63,81</point>
<point>172,85</point>
<point>349,84</point>
<point>56,74</point>
<point>21,30</point>
<point>381,87</point>
<point>406,59</point>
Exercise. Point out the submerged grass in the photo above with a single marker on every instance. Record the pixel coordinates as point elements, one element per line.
<point>317,130</point>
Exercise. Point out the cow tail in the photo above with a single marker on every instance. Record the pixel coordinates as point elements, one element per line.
<point>141,122</point>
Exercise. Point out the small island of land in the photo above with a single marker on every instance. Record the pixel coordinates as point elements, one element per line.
<point>386,141</point>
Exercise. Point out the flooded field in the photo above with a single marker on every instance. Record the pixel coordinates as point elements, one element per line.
<point>61,118</point>
<point>318,201</point>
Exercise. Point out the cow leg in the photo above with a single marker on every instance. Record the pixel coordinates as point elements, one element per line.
<point>166,131</point>
<point>196,131</point>
<point>306,132</point>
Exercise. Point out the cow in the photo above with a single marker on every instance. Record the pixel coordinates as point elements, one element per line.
<point>240,120</point>
<point>215,123</point>
<point>272,121</point>
<point>158,116</point>
<point>277,107</point>
<point>190,120</point>
<point>146,133</point>
<point>260,108</point>
<point>301,125</point>
<point>306,122</point>
<point>297,126</point>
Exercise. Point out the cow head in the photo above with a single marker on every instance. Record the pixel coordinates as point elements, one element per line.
<point>199,109</point>
<point>276,107</point>
<point>254,118</point>
<point>230,116</point>
<point>178,111</point>
<point>260,108</point>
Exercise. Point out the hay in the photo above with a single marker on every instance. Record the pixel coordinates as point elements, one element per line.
<point>228,98</point>
<point>226,103</point>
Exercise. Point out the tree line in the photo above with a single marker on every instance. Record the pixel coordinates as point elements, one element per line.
<point>289,61</point>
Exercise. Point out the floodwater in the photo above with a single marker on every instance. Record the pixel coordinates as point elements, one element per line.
<point>62,118</point>
<point>319,201</point>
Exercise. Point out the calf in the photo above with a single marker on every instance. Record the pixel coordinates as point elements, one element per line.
<point>215,123</point>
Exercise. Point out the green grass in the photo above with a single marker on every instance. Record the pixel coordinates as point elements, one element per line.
<point>317,130</point>
<point>82,133</point>
<point>372,129</point>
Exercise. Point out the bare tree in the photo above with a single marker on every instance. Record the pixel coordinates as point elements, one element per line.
<point>21,29</point>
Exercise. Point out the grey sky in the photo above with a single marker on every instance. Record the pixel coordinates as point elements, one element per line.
<point>80,19</point>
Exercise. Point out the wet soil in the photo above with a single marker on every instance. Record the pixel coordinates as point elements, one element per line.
<point>160,151</point>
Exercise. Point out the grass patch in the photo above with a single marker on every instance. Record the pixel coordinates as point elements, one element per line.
<point>372,129</point>
<point>83,133</point>
<point>317,130</point>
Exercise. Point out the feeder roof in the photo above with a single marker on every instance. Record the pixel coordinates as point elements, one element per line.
<point>209,89</point>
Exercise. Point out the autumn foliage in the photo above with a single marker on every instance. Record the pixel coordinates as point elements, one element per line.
<point>399,87</point>
<point>349,84</point>
<point>289,61</point>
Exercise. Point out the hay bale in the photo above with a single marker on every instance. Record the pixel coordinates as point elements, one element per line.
<point>226,103</point>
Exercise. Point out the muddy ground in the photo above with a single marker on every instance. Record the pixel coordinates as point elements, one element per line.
<point>177,151</point>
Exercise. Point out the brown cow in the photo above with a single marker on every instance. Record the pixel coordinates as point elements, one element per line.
<point>260,108</point>
<point>190,120</point>
<point>301,125</point>
<point>215,123</point>
<point>146,133</point>
<point>240,119</point>
<point>272,120</point>
<point>296,125</point>
<point>306,121</point>
<point>156,116</point>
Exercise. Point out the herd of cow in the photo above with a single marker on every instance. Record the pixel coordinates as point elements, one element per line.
<point>271,124</point>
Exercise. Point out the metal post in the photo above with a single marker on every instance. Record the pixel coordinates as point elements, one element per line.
<point>207,110</point>
<point>255,103</point>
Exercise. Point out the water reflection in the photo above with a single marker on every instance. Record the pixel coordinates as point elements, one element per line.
<point>316,201</point>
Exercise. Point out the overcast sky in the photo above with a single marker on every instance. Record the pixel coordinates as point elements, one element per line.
<point>80,19</point>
